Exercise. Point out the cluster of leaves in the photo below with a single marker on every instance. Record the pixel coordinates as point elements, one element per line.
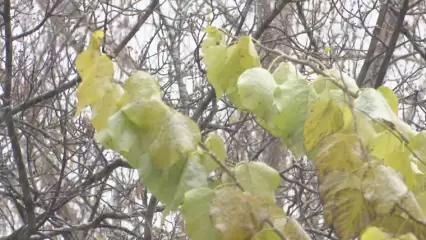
<point>369,161</point>
<point>165,147</point>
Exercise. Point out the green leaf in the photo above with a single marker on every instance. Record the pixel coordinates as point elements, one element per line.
<point>256,87</point>
<point>324,119</point>
<point>216,145</point>
<point>292,99</point>
<point>258,179</point>
<point>169,185</point>
<point>225,64</point>
<point>174,134</point>
<point>195,211</point>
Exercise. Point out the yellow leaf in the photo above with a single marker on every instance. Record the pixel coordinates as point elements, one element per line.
<point>390,97</point>
<point>324,119</point>
<point>104,108</point>
<point>339,152</point>
<point>96,72</point>
<point>351,213</point>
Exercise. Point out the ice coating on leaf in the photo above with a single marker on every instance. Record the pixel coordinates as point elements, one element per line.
<point>105,107</point>
<point>388,147</point>
<point>385,187</point>
<point>324,118</point>
<point>195,211</point>
<point>292,100</point>
<point>149,114</point>
<point>255,89</point>
<point>226,63</point>
<point>258,179</point>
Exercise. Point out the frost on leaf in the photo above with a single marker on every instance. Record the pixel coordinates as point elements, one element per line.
<point>258,179</point>
<point>324,119</point>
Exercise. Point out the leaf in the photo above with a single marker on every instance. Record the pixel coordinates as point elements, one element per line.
<point>374,233</point>
<point>140,86</point>
<point>351,213</point>
<point>373,104</point>
<point>324,119</point>
<point>215,144</point>
<point>390,148</point>
<point>195,211</point>
<point>258,178</point>
<point>104,108</point>
<point>174,135</point>
<point>238,215</point>
<point>339,152</point>
<point>119,134</point>
<point>292,100</point>
<point>390,97</point>
<point>286,71</point>
<point>169,185</point>
<point>96,72</point>
<point>255,88</point>
<point>225,64</point>
<point>344,79</point>
<point>383,187</point>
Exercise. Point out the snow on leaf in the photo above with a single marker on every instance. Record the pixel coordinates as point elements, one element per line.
<point>258,179</point>
<point>324,119</point>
